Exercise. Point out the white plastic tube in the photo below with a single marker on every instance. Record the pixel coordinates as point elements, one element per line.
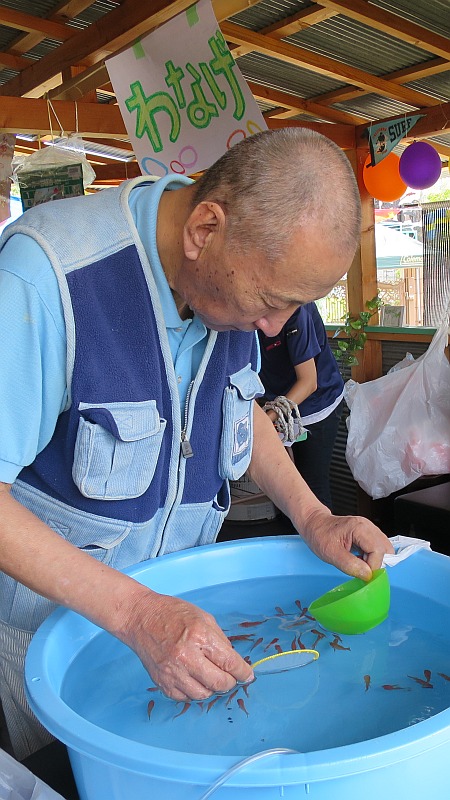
<point>241,764</point>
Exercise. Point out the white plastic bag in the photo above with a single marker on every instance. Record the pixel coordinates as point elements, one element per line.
<point>18,783</point>
<point>66,151</point>
<point>399,424</point>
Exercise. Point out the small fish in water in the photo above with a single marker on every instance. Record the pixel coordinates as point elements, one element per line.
<point>255,644</point>
<point>211,703</point>
<point>150,708</point>
<point>248,660</point>
<point>443,675</point>
<point>185,708</point>
<point>391,686</point>
<point>294,624</point>
<point>427,674</point>
<point>200,705</point>
<point>252,624</point>
<point>294,644</point>
<point>241,705</point>
<point>299,605</point>
<point>301,646</point>
<point>280,611</point>
<point>232,696</point>
<point>242,637</point>
<point>318,635</point>
<point>153,689</point>
<point>274,641</point>
<point>424,684</point>
<point>245,688</point>
<point>278,648</point>
<point>367,682</point>
<point>336,646</point>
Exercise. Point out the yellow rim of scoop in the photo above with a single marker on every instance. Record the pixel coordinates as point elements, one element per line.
<point>314,653</point>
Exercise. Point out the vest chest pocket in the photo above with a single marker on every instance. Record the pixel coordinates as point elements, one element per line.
<point>237,431</point>
<point>117,449</point>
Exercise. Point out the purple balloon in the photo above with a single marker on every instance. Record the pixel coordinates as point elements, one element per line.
<point>420,165</point>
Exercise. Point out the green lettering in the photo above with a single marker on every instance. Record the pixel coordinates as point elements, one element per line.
<point>174,77</point>
<point>146,108</point>
<point>223,63</point>
<point>219,96</point>
<point>199,110</point>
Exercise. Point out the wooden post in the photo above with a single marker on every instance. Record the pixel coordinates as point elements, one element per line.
<point>362,275</point>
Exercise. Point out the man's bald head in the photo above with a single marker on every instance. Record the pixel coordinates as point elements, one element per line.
<point>276,183</point>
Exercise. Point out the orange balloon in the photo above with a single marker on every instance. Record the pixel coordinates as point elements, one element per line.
<point>383,181</point>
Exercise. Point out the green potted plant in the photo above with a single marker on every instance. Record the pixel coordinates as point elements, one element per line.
<point>355,335</point>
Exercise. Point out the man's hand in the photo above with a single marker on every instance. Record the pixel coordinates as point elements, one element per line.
<point>186,653</point>
<point>332,538</point>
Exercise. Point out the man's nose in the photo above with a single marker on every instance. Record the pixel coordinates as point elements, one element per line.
<point>270,326</point>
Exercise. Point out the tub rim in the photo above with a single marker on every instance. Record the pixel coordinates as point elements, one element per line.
<point>80,735</point>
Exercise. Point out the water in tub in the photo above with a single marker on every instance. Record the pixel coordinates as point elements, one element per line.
<point>361,687</point>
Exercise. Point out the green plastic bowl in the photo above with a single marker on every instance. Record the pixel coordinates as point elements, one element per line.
<point>355,606</point>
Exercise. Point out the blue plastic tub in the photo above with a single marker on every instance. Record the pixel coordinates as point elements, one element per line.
<point>369,719</point>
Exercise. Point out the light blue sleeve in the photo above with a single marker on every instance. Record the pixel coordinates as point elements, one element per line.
<point>258,366</point>
<point>33,388</point>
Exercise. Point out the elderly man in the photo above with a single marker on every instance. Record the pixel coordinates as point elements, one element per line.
<point>129,372</point>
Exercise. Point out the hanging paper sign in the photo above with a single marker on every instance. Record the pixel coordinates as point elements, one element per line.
<point>385,136</point>
<point>182,97</point>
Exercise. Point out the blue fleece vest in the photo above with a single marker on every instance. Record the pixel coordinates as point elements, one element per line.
<point>113,479</point>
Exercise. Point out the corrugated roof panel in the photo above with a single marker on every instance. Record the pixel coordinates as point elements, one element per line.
<point>44,8</point>
<point>286,77</point>
<point>6,75</point>
<point>43,48</point>
<point>93,13</point>
<point>435,16</point>
<point>374,106</point>
<point>444,140</point>
<point>435,85</point>
<point>353,43</point>
<point>310,118</point>
<point>268,12</point>
<point>37,8</point>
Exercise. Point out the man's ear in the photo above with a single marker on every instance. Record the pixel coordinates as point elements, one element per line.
<point>206,220</point>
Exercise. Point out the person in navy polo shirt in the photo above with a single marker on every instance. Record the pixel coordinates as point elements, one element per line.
<point>299,364</point>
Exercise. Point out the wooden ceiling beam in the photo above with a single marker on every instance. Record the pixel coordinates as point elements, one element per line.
<point>95,120</point>
<point>432,67</point>
<point>118,171</point>
<point>77,87</point>
<point>117,29</point>
<point>304,19</point>
<point>64,12</point>
<point>223,9</point>
<point>301,21</point>
<point>298,105</point>
<point>96,76</point>
<point>11,61</point>
<point>392,24</point>
<point>69,9</point>
<point>27,22</point>
<point>324,65</point>
<point>342,135</point>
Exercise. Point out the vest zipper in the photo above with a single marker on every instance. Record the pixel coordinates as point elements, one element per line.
<point>186,449</point>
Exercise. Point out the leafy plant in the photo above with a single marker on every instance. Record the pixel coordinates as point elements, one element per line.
<point>355,335</point>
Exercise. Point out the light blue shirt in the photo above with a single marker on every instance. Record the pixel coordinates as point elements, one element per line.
<point>33,389</point>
